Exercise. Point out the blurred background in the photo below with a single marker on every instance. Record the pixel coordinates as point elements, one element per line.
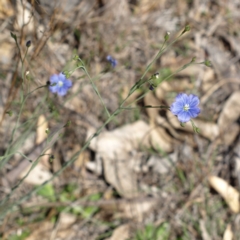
<point>145,177</point>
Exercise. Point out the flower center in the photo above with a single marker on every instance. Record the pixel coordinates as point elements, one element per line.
<point>60,83</point>
<point>186,107</point>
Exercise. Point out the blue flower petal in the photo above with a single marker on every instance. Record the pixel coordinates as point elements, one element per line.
<point>183,117</point>
<point>61,84</point>
<point>185,107</point>
<point>193,100</point>
<point>112,60</point>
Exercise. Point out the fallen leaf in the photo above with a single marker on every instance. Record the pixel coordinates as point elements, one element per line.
<point>121,233</point>
<point>158,136</point>
<point>136,210</point>
<point>6,9</point>
<point>38,175</point>
<point>42,125</point>
<point>117,150</point>
<point>209,130</point>
<point>228,234</point>
<point>228,116</point>
<point>6,53</point>
<point>41,135</point>
<point>24,16</point>
<point>229,194</point>
<point>159,139</point>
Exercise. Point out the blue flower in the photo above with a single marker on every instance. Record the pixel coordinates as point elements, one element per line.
<point>185,107</point>
<point>112,61</point>
<point>59,84</point>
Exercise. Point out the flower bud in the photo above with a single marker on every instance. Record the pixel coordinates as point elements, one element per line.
<point>166,37</point>
<point>186,29</point>
<point>207,63</point>
<point>28,43</point>
<point>151,87</point>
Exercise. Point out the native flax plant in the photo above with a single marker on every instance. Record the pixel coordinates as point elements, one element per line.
<point>62,85</point>
<point>185,108</point>
<point>59,84</point>
<point>112,61</point>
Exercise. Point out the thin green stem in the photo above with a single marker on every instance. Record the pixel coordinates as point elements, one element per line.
<point>94,86</point>
<point>22,72</point>
<point>131,108</point>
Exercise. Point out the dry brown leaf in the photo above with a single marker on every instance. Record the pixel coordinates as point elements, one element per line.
<point>37,176</point>
<point>41,136</point>
<point>24,16</point>
<point>230,112</point>
<point>137,210</point>
<point>121,233</point>
<point>162,89</point>
<point>42,125</point>
<point>207,79</point>
<point>207,129</point>
<point>6,9</point>
<point>229,130</point>
<point>229,194</point>
<point>150,99</point>
<point>82,159</point>
<point>117,149</point>
<point>6,53</point>
<point>228,234</point>
<point>160,139</point>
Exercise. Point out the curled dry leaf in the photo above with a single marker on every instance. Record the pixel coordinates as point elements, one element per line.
<point>38,175</point>
<point>117,150</point>
<point>121,233</point>
<point>24,16</point>
<point>228,234</point>
<point>229,114</point>
<point>158,137</point>
<point>230,194</point>
<point>208,129</point>
<point>137,209</point>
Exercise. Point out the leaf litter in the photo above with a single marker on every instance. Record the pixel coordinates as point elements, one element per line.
<point>130,160</point>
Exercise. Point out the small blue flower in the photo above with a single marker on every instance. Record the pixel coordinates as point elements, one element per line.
<point>59,84</point>
<point>185,107</point>
<point>112,61</point>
